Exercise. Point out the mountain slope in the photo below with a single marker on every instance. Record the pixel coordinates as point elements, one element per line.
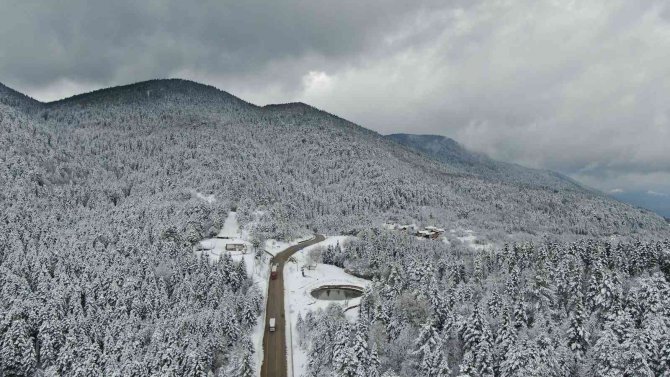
<point>12,98</point>
<point>311,169</point>
<point>450,152</point>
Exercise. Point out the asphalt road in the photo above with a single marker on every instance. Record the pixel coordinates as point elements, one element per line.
<point>274,343</point>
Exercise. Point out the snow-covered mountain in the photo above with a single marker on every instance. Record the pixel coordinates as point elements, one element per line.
<point>314,169</point>
<point>105,194</point>
<point>11,97</point>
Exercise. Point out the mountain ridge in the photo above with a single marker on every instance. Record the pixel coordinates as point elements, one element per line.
<point>14,98</point>
<point>342,175</point>
<point>174,85</point>
<point>449,151</point>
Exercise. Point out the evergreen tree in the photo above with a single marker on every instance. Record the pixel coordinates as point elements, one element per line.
<point>361,349</point>
<point>246,368</point>
<point>578,334</point>
<point>344,361</point>
<point>426,343</point>
<point>17,354</point>
<point>477,346</point>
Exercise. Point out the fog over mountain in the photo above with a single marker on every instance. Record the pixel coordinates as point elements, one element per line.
<point>451,152</point>
<point>656,201</point>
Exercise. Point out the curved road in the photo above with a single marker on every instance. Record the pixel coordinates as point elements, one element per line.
<point>274,343</point>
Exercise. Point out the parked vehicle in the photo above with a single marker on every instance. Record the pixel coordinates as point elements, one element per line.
<point>272,324</point>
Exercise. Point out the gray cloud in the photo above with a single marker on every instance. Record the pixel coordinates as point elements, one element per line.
<point>581,87</point>
<point>118,41</point>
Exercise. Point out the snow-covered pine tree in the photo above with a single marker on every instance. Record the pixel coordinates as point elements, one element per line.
<point>578,335</point>
<point>477,345</point>
<point>17,354</point>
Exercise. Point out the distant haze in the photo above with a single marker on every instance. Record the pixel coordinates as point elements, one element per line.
<point>647,200</point>
<point>580,87</point>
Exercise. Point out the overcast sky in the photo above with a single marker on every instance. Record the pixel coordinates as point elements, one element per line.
<point>581,87</point>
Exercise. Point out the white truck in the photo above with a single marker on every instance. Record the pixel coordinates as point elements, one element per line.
<point>273,272</point>
<point>272,324</point>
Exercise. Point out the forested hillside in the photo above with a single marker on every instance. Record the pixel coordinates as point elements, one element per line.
<point>587,308</point>
<point>100,216</point>
<point>320,171</point>
<point>96,279</point>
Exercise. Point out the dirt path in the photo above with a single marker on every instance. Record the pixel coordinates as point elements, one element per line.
<point>274,343</point>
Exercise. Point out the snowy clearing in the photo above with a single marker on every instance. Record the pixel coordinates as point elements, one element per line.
<point>231,228</point>
<point>469,239</point>
<point>207,198</point>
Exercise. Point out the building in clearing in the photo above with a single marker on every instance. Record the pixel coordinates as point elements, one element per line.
<point>236,247</point>
<point>430,232</point>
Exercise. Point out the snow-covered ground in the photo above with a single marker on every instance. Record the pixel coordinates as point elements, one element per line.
<point>299,301</point>
<point>468,238</point>
<point>214,248</point>
<point>207,198</point>
<point>231,228</point>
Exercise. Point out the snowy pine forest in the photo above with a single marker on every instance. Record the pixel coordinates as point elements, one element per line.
<point>586,308</point>
<point>99,220</point>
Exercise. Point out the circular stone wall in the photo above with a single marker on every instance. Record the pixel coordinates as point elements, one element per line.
<point>336,293</point>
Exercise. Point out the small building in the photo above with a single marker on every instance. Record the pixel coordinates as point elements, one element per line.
<point>236,247</point>
<point>424,234</point>
<point>430,232</point>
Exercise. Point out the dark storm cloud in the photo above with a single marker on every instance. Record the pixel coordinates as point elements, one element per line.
<point>582,87</point>
<point>122,41</point>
